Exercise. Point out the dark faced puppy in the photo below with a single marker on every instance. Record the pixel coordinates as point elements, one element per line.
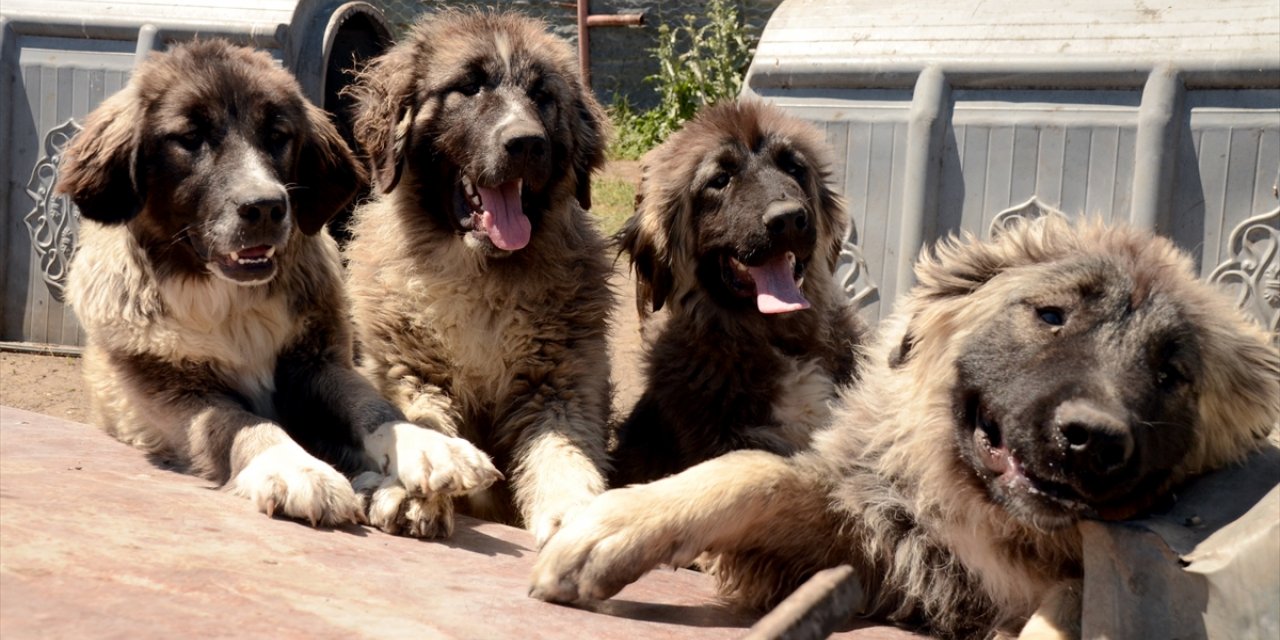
<point>1080,397</point>
<point>212,300</point>
<point>737,233</point>
<point>484,115</point>
<point>479,282</point>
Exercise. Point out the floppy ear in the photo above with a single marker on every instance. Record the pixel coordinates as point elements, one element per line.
<point>591,134</point>
<point>654,278</point>
<point>326,176</point>
<point>835,218</point>
<point>99,167</point>
<point>385,112</point>
<point>1240,397</point>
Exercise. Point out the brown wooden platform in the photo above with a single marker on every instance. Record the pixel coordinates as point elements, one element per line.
<point>97,542</point>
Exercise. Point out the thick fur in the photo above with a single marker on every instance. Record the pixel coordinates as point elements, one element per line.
<point>720,374</point>
<point>505,347</point>
<point>912,483</point>
<point>211,298</point>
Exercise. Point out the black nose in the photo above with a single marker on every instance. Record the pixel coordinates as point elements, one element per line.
<point>786,218</point>
<point>262,209</point>
<point>1096,440</point>
<point>526,146</point>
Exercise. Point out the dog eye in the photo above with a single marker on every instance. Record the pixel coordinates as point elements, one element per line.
<point>541,96</point>
<point>468,89</point>
<point>1169,377</point>
<point>719,181</point>
<point>1052,316</point>
<point>189,140</point>
<point>791,167</point>
<point>279,136</point>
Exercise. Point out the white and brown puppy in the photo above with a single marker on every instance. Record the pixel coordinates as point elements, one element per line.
<point>1056,373</point>
<point>736,234</point>
<point>479,283</point>
<point>211,296</point>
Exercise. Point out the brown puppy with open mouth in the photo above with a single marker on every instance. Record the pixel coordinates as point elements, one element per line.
<point>479,281</point>
<point>736,235</point>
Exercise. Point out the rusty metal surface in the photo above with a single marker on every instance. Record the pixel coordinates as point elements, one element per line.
<point>95,541</point>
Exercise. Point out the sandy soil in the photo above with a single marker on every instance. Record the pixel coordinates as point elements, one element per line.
<point>48,384</point>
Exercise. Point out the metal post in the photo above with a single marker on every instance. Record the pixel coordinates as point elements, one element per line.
<point>1156,147</point>
<point>584,43</point>
<point>925,125</point>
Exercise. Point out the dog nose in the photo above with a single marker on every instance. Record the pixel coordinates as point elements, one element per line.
<point>1097,440</point>
<point>786,218</point>
<point>262,209</point>
<point>525,145</point>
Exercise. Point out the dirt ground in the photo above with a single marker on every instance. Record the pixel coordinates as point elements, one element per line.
<point>48,384</point>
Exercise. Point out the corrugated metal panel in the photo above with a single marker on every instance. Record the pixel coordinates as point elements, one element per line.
<point>60,59</point>
<point>946,115</point>
<point>56,83</point>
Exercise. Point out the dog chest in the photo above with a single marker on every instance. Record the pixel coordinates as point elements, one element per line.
<point>238,330</point>
<point>804,397</point>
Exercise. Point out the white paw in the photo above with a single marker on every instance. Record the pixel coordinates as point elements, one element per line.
<point>429,463</point>
<point>604,547</point>
<point>285,479</point>
<point>549,520</point>
<point>392,509</point>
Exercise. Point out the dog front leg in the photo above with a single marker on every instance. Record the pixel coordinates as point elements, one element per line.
<point>423,466</point>
<point>278,475</point>
<point>557,472</point>
<point>710,507</point>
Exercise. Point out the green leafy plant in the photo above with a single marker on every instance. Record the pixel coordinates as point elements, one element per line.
<point>699,62</point>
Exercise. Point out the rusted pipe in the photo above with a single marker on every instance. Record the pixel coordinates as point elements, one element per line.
<point>616,20</point>
<point>584,42</point>
<point>586,21</point>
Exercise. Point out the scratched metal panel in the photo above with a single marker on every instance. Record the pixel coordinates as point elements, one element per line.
<point>60,58</point>
<point>1228,205</point>
<point>1068,149</point>
<point>57,81</point>
<point>1166,118</point>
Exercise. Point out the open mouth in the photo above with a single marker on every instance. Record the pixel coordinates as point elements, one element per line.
<point>496,213</point>
<point>774,283</point>
<point>248,265</point>
<point>1004,465</point>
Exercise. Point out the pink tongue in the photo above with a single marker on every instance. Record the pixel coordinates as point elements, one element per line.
<point>776,290</point>
<point>503,218</point>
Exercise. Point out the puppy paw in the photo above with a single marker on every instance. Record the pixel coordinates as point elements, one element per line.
<point>548,520</point>
<point>287,480</point>
<point>606,546</point>
<point>393,509</point>
<point>428,463</point>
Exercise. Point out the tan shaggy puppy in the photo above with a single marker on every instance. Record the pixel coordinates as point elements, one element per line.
<point>736,234</point>
<point>210,294</point>
<point>1055,373</point>
<point>478,281</point>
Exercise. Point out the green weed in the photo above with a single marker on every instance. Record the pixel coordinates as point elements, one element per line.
<point>699,62</point>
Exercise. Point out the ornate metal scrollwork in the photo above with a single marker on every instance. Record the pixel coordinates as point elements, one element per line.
<point>1253,271</point>
<point>852,272</point>
<point>54,220</point>
<point>1029,210</point>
